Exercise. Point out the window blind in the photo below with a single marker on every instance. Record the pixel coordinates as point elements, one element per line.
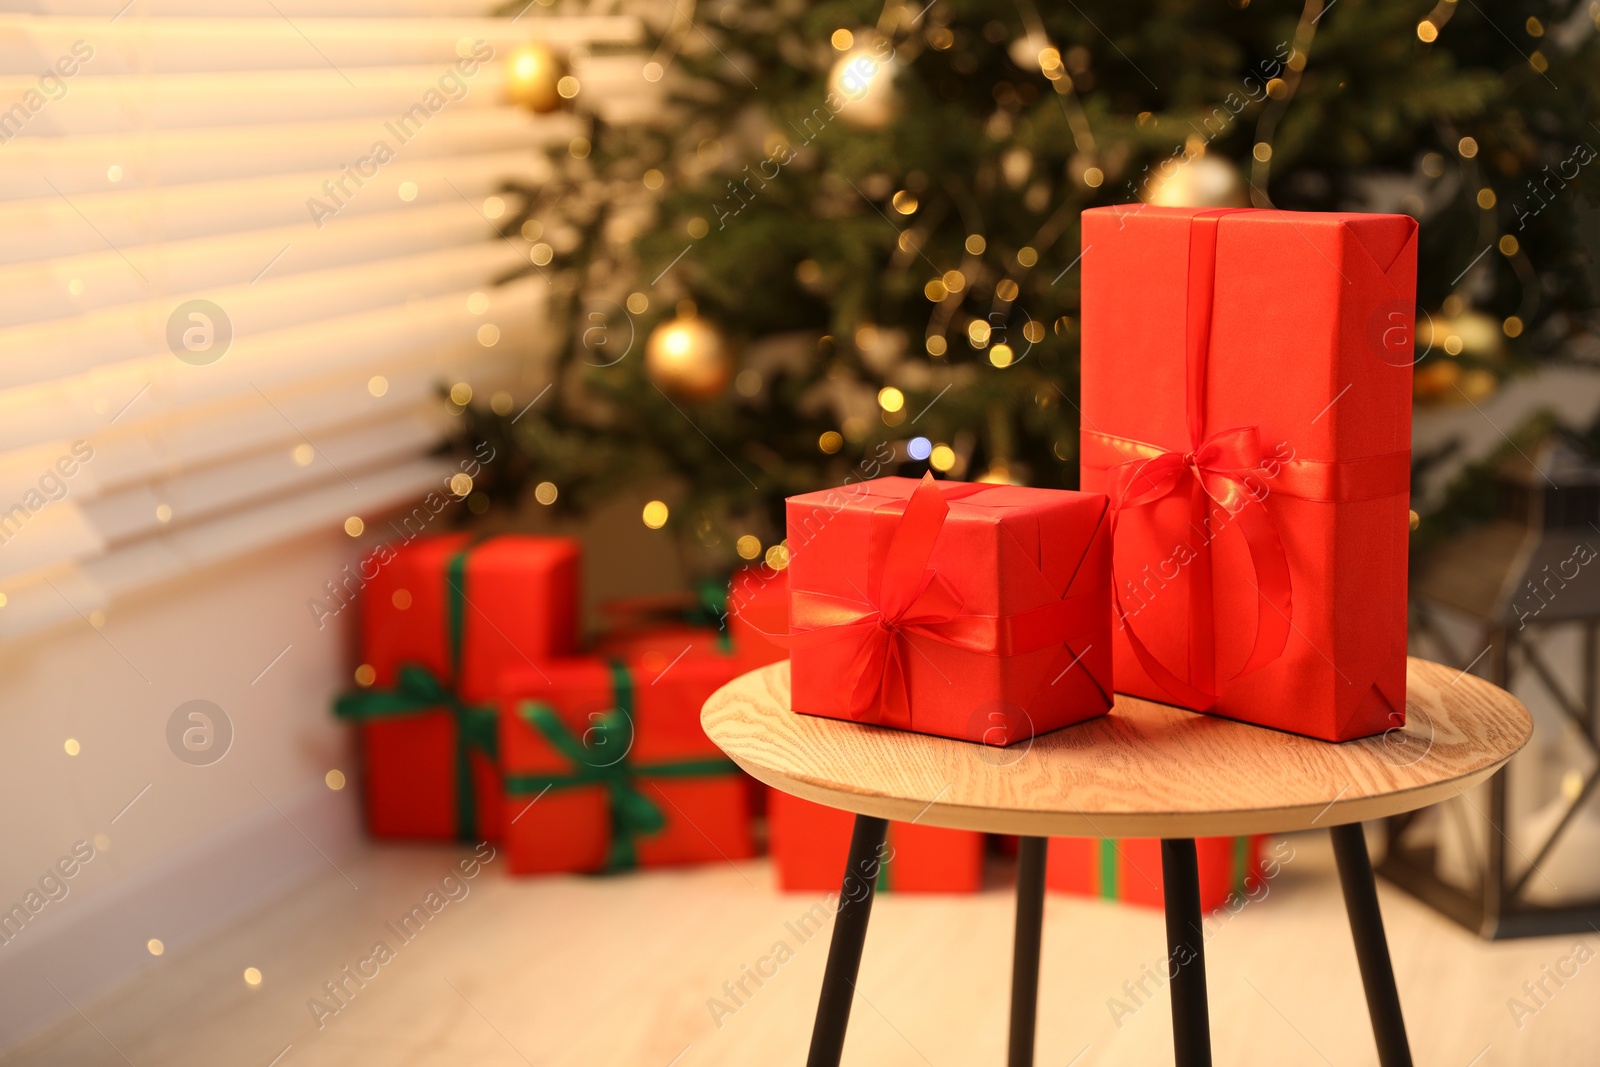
<point>225,310</point>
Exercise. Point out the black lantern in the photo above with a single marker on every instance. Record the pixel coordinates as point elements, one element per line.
<point>1517,601</point>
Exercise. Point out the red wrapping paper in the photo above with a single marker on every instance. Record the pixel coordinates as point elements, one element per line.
<point>1236,355</point>
<point>520,604</point>
<point>1130,870</point>
<point>705,813</point>
<point>969,611</point>
<point>810,843</point>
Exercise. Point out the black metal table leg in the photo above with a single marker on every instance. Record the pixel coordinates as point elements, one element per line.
<point>1186,960</point>
<point>1025,956</point>
<point>849,934</point>
<point>1372,948</point>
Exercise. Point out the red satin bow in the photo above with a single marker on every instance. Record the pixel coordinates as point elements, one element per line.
<point>1226,468</point>
<point>906,598</point>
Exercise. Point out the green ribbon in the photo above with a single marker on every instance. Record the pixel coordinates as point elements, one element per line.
<point>418,690</point>
<point>633,814</point>
<point>1108,868</point>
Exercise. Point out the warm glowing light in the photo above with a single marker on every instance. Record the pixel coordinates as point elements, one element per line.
<point>545,493</point>
<point>461,483</point>
<point>942,458</point>
<point>353,526</point>
<point>377,385</point>
<point>655,514</point>
<point>891,399</point>
<point>72,746</point>
<point>748,546</point>
<point>830,441</point>
<point>366,675</point>
<point>461,394</point>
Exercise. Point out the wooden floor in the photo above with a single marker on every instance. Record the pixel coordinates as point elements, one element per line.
<point>630,971</point>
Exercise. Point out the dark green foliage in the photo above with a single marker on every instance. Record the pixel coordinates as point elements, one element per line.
<point>989,145</point>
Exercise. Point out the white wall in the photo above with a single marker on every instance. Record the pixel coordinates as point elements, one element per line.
<point>201,844</point>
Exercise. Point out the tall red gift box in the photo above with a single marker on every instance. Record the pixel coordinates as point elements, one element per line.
<point>972,611</point>
<point>1130,870</point>
<point>811,842</point>
<point>443,618</point>
<point>606,767</point>
<point>1247,407</point>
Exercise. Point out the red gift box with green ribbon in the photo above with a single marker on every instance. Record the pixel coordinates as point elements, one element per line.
<point>1247,407</point>
<point>694,618</point>
<point>810,843</point>
<point>606,767</point>
<point>1130,870</point>
<point>442,619</point>
<point>973,611</point>
<point>757,608</point>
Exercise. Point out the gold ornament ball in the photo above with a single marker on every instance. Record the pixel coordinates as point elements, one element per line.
<point>533,75</point>
<point>1471,334</point>
<point>1208,181</point>
<point>863,79</point>
<point>687,357</point>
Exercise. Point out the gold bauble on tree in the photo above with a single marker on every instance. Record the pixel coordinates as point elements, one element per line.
<point>1205,181</point>
<point>687,357</point>
<point>533,78</point>
<point>863,80</point>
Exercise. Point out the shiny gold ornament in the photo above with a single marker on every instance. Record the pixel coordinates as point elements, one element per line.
<point>688,357</point>
<point>863,79</point>
<point>533,78</point>
<point>1470,334</point>
<point>1209,181</point>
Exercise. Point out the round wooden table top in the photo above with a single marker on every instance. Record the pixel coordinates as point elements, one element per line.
<point>1144,770</point>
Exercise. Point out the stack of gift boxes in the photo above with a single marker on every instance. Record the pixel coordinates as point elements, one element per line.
<point>1245,462</point>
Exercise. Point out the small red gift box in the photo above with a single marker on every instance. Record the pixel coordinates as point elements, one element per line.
<point>1247,407</point>
<point>811,842</point>
<point>605,767</point>
<point>979,612</point>
<point>1130,870</point>
<point>443,618</point>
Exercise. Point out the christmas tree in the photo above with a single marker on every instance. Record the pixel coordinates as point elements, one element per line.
<point>847,245</point>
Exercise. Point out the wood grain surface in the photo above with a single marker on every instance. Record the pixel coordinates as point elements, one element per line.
<point>1144,770</point>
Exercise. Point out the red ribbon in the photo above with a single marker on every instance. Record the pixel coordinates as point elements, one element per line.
<point>1226,468</point>
<point>907,598</point>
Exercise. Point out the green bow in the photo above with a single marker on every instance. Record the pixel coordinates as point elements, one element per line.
<point>633,814</point>
<point>417,690</point>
